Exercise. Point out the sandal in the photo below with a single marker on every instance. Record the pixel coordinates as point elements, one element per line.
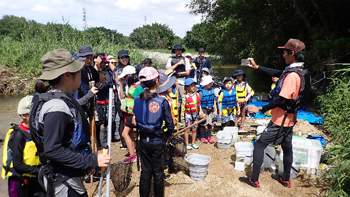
<point>188,147</point>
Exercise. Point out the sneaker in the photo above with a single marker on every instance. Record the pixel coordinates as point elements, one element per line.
<point>188,147</point>
<point>211,141</point>
<point>204,140</point>
<point>195,146</point>
<point>254,184</point>
<point>166,169</point>
<point>167,177</point>
<point>285,183</point>
<point>129,159</point>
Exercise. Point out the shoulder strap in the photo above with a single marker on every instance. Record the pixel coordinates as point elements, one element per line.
<point>25,133</point>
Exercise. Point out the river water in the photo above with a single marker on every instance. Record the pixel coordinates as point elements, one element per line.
<point>259,83</point>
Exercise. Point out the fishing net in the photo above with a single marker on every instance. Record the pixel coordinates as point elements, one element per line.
<point>176,151</point>
<point>121,175</point>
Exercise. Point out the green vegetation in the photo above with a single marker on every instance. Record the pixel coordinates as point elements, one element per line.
<point>240,28</point>
<point>23,43</point>
<point>335,107</point>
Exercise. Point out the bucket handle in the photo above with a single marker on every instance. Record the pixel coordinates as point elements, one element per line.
<point>187,155</point>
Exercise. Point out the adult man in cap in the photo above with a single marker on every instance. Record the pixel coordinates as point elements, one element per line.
<point>201,62</point>
<point>180,65</point>
<point>88,75</point>
<point>291,93</point>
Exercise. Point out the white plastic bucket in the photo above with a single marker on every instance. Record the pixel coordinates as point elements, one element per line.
<point>260,130</point>
<point>244,148</point>
<point>233,131</point>
<point>224,140</point>
<point>198,165</point>
<point>269,157</point>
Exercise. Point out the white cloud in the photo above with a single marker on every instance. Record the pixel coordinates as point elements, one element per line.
<point>40,8</point>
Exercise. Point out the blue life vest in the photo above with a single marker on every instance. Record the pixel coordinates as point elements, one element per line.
<point>179,68</point>
<point>81,134</point>
<point>207,100</point>
<point>149,115</point>
<point>229,100</point>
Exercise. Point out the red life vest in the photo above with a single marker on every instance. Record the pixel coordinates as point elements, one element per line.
<point>191,105</point>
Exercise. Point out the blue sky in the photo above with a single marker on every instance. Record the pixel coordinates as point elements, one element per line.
<point>120,15</point>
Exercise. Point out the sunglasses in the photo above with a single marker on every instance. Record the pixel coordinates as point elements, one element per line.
<point>124,57</point>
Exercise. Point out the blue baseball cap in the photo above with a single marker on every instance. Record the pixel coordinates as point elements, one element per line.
<point>189,81</point>
<point>239,72</point>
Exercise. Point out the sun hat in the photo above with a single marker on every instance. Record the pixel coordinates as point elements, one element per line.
<point>58,62</point>
<point>206,70</point>
<point>294,45</point>
<point>239,72</point>
<point>189,81</point>
<point>85,51</point>
<point>166,82</point>
<point>169,72</point>
<point>127,70</point>
<point>24,105</point>
<point>201,50</point>
<point>178,46</point>
<point>227,79</point>
<point>148,73</point>
<point>123,53</point>
<point>111,59</point>
<point>206,80</point>
<point>188,55</point>
<point>76,57</point>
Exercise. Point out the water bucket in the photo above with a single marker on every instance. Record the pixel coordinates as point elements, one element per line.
<point>224,139</point>
<point>198,165</point>
<point>233,131</point>
<point>295,170</point>
<point>269,157</point>
<point>260,130</point>
<point>244,148</point>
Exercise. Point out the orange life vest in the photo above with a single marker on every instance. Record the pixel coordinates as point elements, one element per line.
<point>191,105</point>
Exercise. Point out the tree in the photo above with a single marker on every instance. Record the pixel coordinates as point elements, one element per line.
<point>155,36</point>
<point>12,26</point>
<point>195,38</point>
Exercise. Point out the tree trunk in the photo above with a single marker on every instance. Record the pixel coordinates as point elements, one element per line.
<point>303,17</point>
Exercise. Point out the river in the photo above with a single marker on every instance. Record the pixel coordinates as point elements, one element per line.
<point>259,83</point>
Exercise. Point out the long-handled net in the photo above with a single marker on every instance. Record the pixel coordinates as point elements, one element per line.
<point>121,175</point>
<point>176,151</point>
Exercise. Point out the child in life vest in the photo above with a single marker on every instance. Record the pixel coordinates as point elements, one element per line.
<point>192,111</point>
<point>244,92</point>
<point>127,107</point>
<point>23,170</point>
<point>150,112</point>
<point>227,102</point>
<point>208,104</point>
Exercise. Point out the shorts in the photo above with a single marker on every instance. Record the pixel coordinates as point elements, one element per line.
<point>209,116</point>
<point>228,118</point>
<point>191,119</point>
<point>102,114</point>
<point>273,135</point>
<point>128,119</point>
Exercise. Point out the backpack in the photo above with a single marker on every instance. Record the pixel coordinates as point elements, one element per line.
<point>7,156</point>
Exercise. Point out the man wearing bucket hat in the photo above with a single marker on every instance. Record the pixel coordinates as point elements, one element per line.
<point>208,104</point>
<point>201,62</point>
<point>180,64</point>
<point>290,95</point>
<point>60,129</point>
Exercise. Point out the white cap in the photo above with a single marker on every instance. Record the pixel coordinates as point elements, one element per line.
<point>24,105</point>
<point>188,54</point>
<point>206,80</point>
<point>127,70</point>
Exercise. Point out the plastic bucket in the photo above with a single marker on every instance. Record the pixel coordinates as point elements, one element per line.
<point>224,140</point>
<point>198,165</point>
<point>244,148</point>
<point>233,131</point>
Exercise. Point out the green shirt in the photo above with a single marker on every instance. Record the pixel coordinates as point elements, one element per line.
<point>138,91</point>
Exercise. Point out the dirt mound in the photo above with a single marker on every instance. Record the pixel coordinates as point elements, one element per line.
<point>10,82</point>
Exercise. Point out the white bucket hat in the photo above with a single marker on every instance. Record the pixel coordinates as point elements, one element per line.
<point>206,80</point>
<point>127,70</point>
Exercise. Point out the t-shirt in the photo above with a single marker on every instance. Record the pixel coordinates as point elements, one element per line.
<point>290,90</point>
<point>138,91</point>
<point>187,64</point>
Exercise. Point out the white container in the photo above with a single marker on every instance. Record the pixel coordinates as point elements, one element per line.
<point>244,148</point>
<point>239,166</point>
<point>233,131</point>
<point>307,151</point>
<point>260,130</point>
<point>262,122</point>
<point>224,139</point>
<point>198,165</point>
<point>269,157</point>
<point>295,170</point>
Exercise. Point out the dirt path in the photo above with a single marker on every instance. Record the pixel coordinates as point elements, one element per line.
<point>222,179</point>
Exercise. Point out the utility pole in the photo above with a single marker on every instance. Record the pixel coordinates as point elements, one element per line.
<point>84,19</point>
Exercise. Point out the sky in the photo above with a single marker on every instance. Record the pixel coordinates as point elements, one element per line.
<point>120,15</point>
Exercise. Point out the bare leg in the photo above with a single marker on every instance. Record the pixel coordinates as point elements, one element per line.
<point>186,136</point>
<point>243,115</point>
<point>127,133</point>
<point>194,135</point>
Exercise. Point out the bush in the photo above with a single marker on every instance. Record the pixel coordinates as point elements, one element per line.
<point>335,107</point>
